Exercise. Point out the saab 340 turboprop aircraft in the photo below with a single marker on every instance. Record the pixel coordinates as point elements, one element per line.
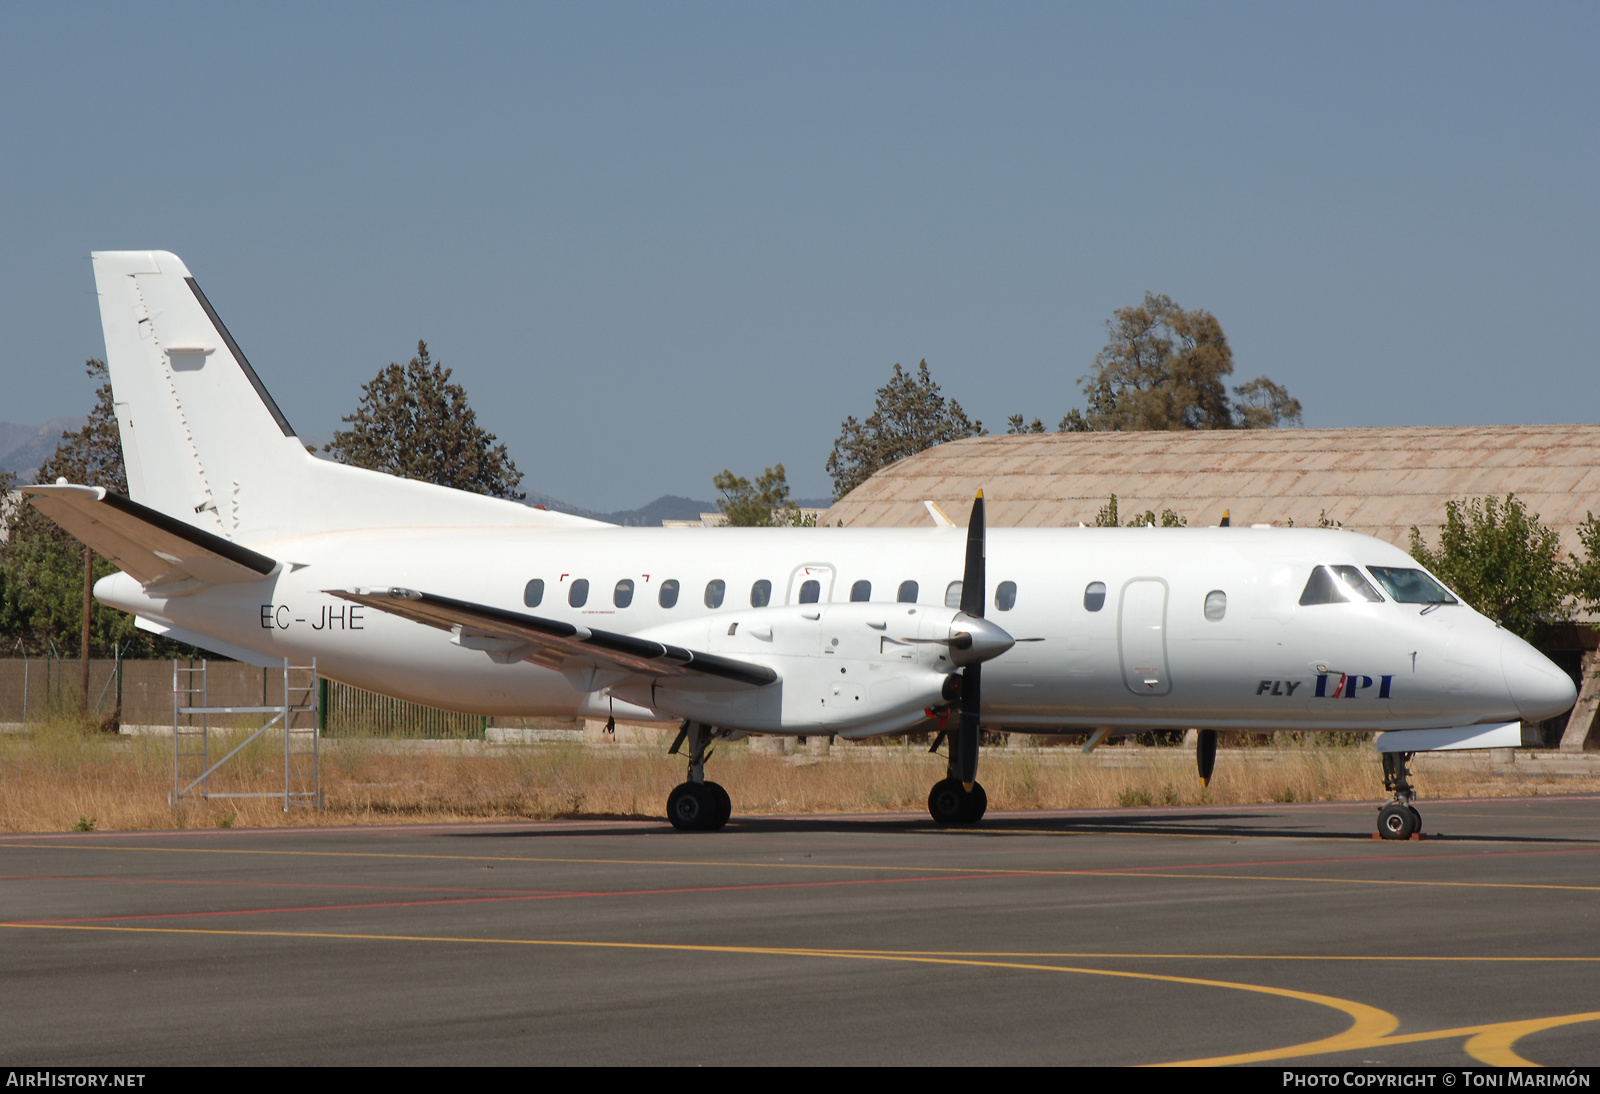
<point>237,540</point>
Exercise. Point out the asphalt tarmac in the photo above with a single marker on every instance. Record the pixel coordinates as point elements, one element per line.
<point>1280,934</point>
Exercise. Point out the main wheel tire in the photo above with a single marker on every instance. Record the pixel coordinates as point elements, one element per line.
<point>1418,817</point>
<point>723,805</point>
<point>946,801</point>
<point>977,803</point>
<point>1397,821</point>
<point>690,807</point>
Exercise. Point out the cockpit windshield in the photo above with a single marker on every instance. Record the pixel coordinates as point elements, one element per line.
<point>1338,585</point>
<point>1409,586</point>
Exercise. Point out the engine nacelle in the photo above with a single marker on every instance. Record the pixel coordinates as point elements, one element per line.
<point>857,670</point>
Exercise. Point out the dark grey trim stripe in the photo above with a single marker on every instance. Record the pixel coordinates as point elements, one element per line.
<point>229,550</point>
<point>238,355</point>
<point>709,663</point>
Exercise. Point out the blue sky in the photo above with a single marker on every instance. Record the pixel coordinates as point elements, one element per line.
<point>656,240</point>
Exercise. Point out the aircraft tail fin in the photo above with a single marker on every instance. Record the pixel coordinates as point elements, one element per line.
<point>204,442</point>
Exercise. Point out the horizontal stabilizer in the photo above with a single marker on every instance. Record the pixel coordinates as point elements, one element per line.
<point>1507,735</point>
<point>155,549</point>
<point>513,636</point>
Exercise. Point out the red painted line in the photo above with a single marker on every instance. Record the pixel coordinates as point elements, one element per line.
<point>1319,861</point>
<point>504,899</point>
<point>272,884</point>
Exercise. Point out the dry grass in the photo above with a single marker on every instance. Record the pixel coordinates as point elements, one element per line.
<point>63,775</point>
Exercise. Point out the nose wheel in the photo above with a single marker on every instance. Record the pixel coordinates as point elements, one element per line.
<point>1399,819</point>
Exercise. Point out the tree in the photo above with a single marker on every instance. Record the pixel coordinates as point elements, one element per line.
<point>1585,571</point>
<point>910,416</point>
<point>1165,368</point>
<point>762,505</point>
<point>1501,561</point>
<point>1015,426</point>
<point>1109,517</point>
<point>413,422</point>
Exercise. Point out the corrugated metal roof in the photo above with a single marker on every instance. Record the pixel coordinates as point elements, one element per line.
<point>1377,481</point>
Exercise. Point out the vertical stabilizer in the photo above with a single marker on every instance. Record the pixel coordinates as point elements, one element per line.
<point>204,442</point>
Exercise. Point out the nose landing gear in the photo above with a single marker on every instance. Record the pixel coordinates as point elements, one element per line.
<point>697,805</point>
<point>1399,819</point>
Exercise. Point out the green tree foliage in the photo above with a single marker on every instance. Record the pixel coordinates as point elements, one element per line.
<point>413,422</point>
<point>1585,570</point>
<point>764,504</point>
<point>1015,426</point>
<point>1163,368</point>
<point>1501,560</point>
<point>1110,517</point>
<point>910,416</point>
<point>41,566</point>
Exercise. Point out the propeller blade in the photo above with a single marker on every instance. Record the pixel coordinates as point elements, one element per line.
<point>966,742</point>
<point>972,576</point>
<point>1205,754</point>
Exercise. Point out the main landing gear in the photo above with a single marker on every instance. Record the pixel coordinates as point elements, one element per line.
<point>1399,819</point>
<point>697,805</point>
<point>949,803</point>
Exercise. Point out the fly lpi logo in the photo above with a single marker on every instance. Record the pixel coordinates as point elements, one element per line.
<point>1348,686</point>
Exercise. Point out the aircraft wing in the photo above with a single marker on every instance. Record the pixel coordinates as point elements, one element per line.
<point>153,547</point>
<point>519,637</point>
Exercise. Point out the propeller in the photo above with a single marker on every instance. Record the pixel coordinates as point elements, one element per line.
<point>976,651</point>
<point>1205,754</point>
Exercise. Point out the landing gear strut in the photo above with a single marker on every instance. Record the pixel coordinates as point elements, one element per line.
<point>697,805</point>
<point>1399,819</point>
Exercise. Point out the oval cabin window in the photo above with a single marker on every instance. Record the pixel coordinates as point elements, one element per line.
<point>1216,605</point>
<point>533,592</point>
<point>761,594</point>
<point>907,593</point>
<point>860,592</point>
<point>622,595</point>
<point>714,592</point>
<point>668,596</point>
<point>578,594</point>
<point>810,591</point>
<point>1094,596</point>
<point>952,595</point>
<point>1005,596</point>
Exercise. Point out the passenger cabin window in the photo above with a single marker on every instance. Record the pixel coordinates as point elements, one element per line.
<point>668,596</point>
<point>907,593</point>
<point>714,592</point>
<point>1094,596</point>
<point>1409,586</point>
<point>761,594</point>
<point>622,595</point>
<point>952,595</point>
<point>1216,605</point>
<point>810,591</point>
<point>1338,585</point>
<point>578,592</point>
<point>533,592</point>
<point>860,591</point>
<point>1005,596</point>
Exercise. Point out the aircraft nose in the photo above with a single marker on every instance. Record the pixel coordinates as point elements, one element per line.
<point>1538,687</point>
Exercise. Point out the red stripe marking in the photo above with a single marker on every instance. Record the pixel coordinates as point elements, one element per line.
<point>503,899</point>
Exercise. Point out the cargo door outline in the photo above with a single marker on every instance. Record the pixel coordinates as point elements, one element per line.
<point>1142,636</point>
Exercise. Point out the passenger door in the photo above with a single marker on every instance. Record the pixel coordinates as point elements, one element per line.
<point>1142,636</point>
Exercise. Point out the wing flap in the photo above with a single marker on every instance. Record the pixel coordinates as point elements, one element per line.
<point>553,643</point>
<point>151,546</point>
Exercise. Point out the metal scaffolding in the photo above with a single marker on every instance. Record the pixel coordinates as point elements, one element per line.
<point>191,744</point>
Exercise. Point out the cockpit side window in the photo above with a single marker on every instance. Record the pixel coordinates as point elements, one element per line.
<point>1321,588</point>
<point>1339,585</point>
<point>1356,584</point>
<point>1407,586</point>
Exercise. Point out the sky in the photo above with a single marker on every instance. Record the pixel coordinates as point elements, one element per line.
<point>654,241</point>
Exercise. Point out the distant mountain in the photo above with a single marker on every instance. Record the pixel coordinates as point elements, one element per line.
<point>24,447</point>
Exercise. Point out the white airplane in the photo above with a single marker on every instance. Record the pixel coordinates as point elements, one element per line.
<point>237,540</point>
